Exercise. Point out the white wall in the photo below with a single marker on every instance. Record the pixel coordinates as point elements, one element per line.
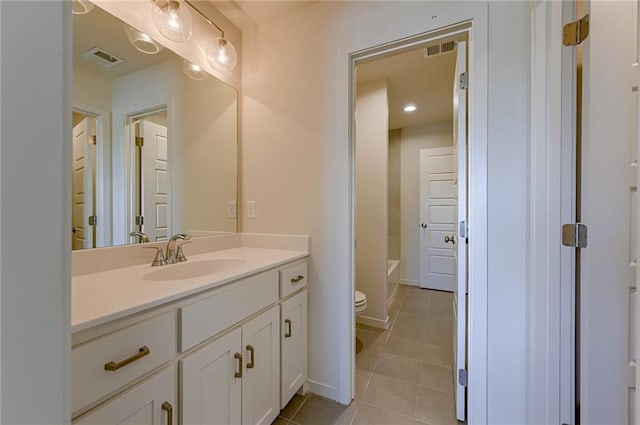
<point>412,140</point>
<point>295,153</point>
<point>91,89</point>
<point>35,226</point>
<point>371,163</point>
<point>394,211</point>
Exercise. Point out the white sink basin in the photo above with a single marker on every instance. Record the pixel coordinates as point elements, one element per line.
<point>193,269</point>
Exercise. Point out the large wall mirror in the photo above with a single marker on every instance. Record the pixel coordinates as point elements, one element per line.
<point>154,140</point>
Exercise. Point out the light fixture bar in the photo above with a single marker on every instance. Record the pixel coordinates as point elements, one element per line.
<point>205,17</point>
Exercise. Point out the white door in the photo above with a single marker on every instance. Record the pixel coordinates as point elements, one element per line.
<point>83,184</point>
<point>607,271</point>
<point>149,403</point>
<point>460,253</point>
<point>261,379</point>
<point>155,181</point>
<point>437,219</point>
<point>211,383</point>
<point>293,334</point>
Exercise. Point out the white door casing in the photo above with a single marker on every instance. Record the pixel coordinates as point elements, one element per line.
<point>606,278</point>
<point>460,253</point>
<point>438,212</point>
<point>83,183</point>
<point>155,181</point>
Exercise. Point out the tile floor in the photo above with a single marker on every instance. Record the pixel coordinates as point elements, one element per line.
<point>404,375</point>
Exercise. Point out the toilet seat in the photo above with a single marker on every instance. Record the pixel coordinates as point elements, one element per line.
<point>360,302</point>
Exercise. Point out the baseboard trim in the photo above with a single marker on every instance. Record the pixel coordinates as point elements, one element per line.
<point>409,282</point>
<point>372,321</point>
<point>321,389</point>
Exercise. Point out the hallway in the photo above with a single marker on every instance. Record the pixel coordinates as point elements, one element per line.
<point>403,375</point>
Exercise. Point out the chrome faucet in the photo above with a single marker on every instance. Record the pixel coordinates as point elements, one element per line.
<point>174,248</point>
<point>142,237</point>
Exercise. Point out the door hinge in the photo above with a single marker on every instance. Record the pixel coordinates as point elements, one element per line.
<point>464,230</point>
<point>463,81</point>
<point>139,220</point>
<point>93,140</point>
<point>576,32</point>
<point>574,235</point>
<point>93,220</point>
<point>139,141</point>
<point>462,377</point>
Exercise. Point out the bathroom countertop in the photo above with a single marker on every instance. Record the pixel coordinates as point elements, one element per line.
<point>101,297</point>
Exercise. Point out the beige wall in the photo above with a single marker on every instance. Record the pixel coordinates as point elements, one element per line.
<point>91,89</point>
<point>295,164</point>
<point>413,139</point>
<point>372,143</point>
<point>393,195</point>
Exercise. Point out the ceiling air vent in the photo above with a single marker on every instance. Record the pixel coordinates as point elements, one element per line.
<point>439,49</point>
<point>102,57</point>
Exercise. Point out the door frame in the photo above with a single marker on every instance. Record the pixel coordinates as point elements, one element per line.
<point>477,31</point>
<point>102,170</point>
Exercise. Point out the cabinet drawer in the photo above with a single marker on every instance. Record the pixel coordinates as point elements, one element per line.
<point>129,353</point>
<point>293,278</point>
<point>209,316</point>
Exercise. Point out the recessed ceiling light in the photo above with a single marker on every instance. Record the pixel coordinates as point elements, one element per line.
<point>410,107</point>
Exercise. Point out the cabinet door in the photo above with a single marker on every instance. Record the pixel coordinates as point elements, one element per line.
<point>294,346</point>
<point>261,380</point>
<point>212,382</point>
<point>152,402</point>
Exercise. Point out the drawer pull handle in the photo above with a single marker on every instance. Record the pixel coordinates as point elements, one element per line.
<point>297,279</point>
<point>167,407</point>
<point>111,366</point>
<point>250,363</point>
<point>287,333</point>
<point>239,373</point>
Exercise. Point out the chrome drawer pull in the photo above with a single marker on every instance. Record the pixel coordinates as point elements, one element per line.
<point>239,357</point>
<point>297,279</point>
<point>111,366</point>
<point>167,407</point>
<point>287,333</point>
<point>250,363</point>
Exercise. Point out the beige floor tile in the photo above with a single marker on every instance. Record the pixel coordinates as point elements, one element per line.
<point>367,360</point>
<point>405,318</point>
<point>437,378</point>
<point>415,305</point>
<point>368,414</point>
<point>399,367</point>
<point>440,355</point>
<point>439,336</point>
<point>280,421</point>
<point>318,410</point>
<point>407,347</point>
<point>292,407</point>
<point>391,394</point>
<point>409,330</point>
<point>435,408</point>
<point>371,341</point>
<point>362,381</point>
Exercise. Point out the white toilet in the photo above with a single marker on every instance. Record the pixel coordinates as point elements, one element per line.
<point>361,302</point>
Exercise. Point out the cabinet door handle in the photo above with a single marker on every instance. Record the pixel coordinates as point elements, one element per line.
<point>251,351</point>
<point>287,333</point>
<point>297,278</point>
<point>142,352</point>
<point>167,407</point>
<point>239,373</point>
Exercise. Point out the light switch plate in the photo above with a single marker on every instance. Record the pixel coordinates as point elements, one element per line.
<point>251,209</point>
<point>231,209</point>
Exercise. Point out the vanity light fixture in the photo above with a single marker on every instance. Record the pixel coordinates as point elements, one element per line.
<point>141,41</point>
<point>173,19</point>
<point>80,7</point>
<point>193,71</point>
<point>410,107</point>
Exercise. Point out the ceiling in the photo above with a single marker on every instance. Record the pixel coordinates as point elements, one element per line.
<point>100,29</point>
<point>426,83</point>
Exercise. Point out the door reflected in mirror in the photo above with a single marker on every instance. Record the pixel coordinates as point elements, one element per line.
<point>154,149</point>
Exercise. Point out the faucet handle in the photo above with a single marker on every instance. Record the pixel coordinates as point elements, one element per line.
<point>180,257</point>
<point>159,259</point>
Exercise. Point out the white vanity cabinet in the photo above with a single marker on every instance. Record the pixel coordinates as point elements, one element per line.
<point>293,336</point>
<point>152,402</point>
<point>235,378</point>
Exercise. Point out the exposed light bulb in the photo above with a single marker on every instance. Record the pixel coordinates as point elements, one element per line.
<point>221,54</point>
<point>141,41</point>
<point>410,107</point>
<point>173,19</point>
<point>194,71</point>
<point>80,7</point>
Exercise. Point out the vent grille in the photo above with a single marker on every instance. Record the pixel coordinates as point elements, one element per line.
<point>439,49</point>
<point>102,57</point>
